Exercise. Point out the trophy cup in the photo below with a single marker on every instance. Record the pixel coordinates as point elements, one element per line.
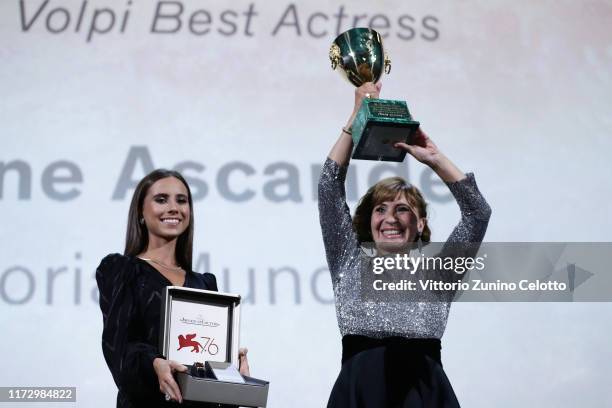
<point>380,123</point>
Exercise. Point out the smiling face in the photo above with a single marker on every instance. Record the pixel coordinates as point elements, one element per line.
<point>392,214</point>
<point>166,209</point>
<point>394,224</point>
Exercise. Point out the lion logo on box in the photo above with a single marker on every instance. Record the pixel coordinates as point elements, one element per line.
<point>188,341</point>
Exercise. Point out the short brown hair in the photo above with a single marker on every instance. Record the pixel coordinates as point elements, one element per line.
<point>386,190</point>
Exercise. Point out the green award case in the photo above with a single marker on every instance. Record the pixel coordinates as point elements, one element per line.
<point>378,125</point>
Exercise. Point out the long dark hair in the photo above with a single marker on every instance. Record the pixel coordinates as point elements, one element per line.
<point>137,236</point>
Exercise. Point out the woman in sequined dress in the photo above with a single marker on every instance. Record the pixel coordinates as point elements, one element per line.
<point>390,350</point>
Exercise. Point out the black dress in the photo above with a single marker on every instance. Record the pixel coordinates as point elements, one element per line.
<point>130,300</point>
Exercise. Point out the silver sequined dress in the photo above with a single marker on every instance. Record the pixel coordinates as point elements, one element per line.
<point>346,260</point>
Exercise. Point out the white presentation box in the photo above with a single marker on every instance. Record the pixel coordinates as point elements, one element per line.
<point>200,326</point>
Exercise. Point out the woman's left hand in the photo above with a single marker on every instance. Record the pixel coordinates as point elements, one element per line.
<point>423,149</point>
<point>243,362</point>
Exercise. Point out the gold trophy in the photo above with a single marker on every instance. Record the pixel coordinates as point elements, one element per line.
<point>380,123</point>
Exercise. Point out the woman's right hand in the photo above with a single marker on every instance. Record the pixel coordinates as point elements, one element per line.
<point>367,90</point>
<point>167,385</point>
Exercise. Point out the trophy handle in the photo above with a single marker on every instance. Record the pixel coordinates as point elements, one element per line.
<point>334,55</point>
<point>387,64</point>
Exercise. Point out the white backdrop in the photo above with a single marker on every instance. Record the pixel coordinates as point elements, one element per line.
<point>516,91</point>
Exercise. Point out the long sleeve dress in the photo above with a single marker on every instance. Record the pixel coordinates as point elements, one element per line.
<point>130,300</point>
<point>385,336</point>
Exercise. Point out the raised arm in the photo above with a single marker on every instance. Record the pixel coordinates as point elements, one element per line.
<point>475,214</point>
<point>336,224</point>
<point>426,151</point>
<point>475,211</point>
<point>341,151</point>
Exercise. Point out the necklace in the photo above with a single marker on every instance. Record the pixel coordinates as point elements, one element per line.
<point>163,265</point>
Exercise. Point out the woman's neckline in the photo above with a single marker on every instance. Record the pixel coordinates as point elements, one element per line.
<point>144,260</point>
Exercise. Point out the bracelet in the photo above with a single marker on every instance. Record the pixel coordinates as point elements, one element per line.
<point>348,131</point>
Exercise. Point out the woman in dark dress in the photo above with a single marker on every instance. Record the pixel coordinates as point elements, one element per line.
<point>158,253</point>
<point>390,349</point>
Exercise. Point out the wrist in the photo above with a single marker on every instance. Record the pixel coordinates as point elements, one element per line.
<point>446,170</point>
<point>438,162</point>
<point>157,361</point>
<point>351,119</point>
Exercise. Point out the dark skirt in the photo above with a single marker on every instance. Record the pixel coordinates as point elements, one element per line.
<point>393,372</point>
